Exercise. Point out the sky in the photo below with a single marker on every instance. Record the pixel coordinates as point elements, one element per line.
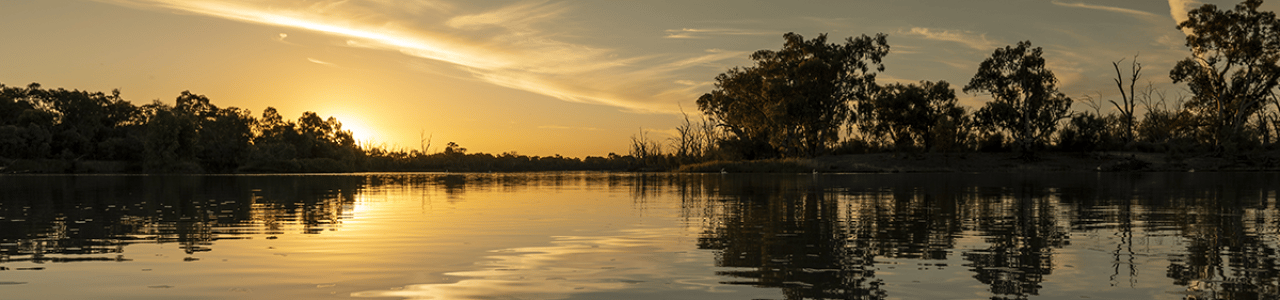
<point>574,78</point>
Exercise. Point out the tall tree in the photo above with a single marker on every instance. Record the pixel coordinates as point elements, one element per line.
<point>1232,68</point>
<point>172,138</point>
<point>794,100</point>
<point>911,113</point>
<point>1026,102</point>
<point>1128,101</point>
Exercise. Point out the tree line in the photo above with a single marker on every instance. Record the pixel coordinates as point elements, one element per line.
<point>807,99</point>
<point>815,98</point>
<point>59,130</point>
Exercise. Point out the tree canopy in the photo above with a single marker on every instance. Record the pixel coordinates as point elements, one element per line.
<point>1026,102</point>
<point>794,101</point>
<point>1232,69</point>
<point>910,114</point>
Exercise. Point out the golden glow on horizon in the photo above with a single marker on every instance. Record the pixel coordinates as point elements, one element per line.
<point>498,76</point>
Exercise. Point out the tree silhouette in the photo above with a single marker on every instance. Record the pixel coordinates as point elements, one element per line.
<point>794,100</point>
<point>1129,101</point>
<point>911,114</point>
<point>1026,103</point>
<point>1232,69</point>
<point>172,138</point>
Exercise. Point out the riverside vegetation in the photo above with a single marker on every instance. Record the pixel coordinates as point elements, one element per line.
<point>61,131</point>
<point>805,107</point>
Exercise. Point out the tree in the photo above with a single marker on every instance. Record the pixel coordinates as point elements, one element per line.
<point>911,114</point>
<point>274,137</point>
<point>1085,132</point>
<point>647,152</point>
<point>454,149</point>
<point>1232,68</point>
<point>794,101</point>
<point>1128,102</point>
<point>172,138</point>
<point>226,139</point>
<point>1026,102</point>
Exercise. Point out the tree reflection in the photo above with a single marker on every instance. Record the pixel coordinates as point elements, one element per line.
<point>825,237</point>
<point>1230,245</point>
<point>1021,232</point>
<point>97,215</point>
<point>812,237</point>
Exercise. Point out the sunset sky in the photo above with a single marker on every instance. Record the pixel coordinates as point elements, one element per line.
<point>575,78</point>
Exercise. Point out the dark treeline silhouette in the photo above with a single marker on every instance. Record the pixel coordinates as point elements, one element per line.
<point>809,98</point>
<point>62,131</point>
<point>794,102</point>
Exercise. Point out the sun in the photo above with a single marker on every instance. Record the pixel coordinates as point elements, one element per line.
<point>359,129</point>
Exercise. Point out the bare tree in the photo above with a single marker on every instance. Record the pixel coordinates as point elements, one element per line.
<point>1128,101</point>
<point>646,151</point>
<point>688,144</point>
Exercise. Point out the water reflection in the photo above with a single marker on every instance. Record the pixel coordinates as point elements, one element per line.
<point>824,238</point>
<point>875,236</point>
<point>75,218</point>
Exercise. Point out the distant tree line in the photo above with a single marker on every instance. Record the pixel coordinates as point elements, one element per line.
<point>817,98</point>
<point>58,130</point>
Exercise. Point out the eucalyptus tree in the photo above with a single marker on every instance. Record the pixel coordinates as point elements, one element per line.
<point>1232,68</point>
<point>1026,102</point>
<point>794,101</point>
<point>910,114</point>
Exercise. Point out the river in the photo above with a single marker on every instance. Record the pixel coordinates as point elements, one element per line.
<point>641,236</point>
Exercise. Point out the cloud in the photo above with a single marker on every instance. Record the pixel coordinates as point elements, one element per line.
<point>513,45</point>
<point>696,33</point>
<point>558,127</point>
<point>967,38</point>
<point>417,6</point>
<point>1105,8</point>
<point>520,17</point>
<point>282,38</point>
<point>320,62</point>
<point>1178,9</point>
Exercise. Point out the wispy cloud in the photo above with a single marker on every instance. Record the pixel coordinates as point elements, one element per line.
<point>512,45</point>
<point>963,37</point>
<point>558,127</point>
<point>702,33</point>
<point>519,17</point>
<point>1178,9</point>
<point>1104,8</point>
<point>320,62</point>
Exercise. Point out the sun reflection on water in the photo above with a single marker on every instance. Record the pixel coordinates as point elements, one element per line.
<point>639,259</point>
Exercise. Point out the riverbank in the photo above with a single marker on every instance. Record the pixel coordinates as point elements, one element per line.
<point>1001,162</point>
<point>855,163</point>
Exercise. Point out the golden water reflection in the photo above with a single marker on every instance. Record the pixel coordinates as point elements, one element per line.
<point>653,236</point>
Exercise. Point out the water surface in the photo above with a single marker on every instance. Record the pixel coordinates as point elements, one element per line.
<point>641,236</point>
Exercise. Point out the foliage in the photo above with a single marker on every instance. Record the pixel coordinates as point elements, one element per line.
<point>1085,132</point>
<point>1026,101</point>
<point>172,138</point>
<point>793,102</point>
<point>914,114</point>
<point>1232,69</point>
